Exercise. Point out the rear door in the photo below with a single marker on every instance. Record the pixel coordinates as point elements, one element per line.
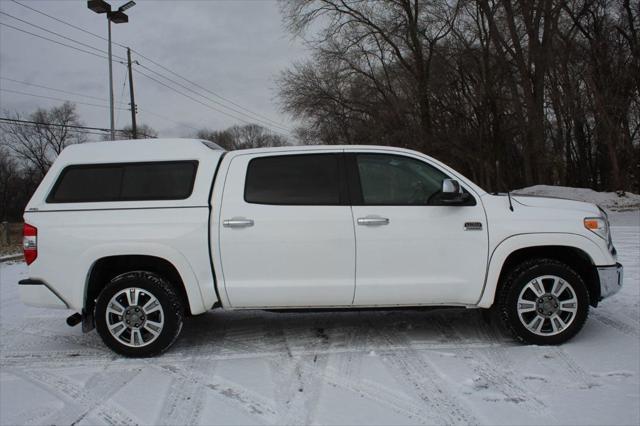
<point>286,231</point>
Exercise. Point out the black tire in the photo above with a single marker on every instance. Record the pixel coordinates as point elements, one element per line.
<point>149,285</point>
<point>512,313</point>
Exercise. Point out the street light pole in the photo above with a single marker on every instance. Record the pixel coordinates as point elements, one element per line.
<point>117,17</point>
<point>111,112</point>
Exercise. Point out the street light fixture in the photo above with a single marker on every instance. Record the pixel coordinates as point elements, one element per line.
<point>99,6</point>
<point>117,17</point>
<point>127,5</point>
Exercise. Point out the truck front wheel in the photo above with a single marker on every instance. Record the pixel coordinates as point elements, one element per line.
<point>138,314</point>
<point>544,302</point>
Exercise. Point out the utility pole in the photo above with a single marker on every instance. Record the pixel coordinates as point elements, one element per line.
<point>113,125</point>
<point>134,128</point>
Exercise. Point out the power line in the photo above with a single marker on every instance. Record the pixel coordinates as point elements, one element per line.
<point>88,132</point>
<point>39,123</point>
<point>262,119</point>
<point>187,96</point>
<point>67,23</point>
<point>53,41</point>
<point>273,122</point>
<point>198,101</point>
<point>207,90</point>
<point>56,99</point>
<point>58,90</point>
<point>145,110</point>
<point>213,101</point>
<point>195,100</point>
<point>59,35</point>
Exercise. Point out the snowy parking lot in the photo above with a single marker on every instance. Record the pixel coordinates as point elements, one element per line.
<point>365,367</point>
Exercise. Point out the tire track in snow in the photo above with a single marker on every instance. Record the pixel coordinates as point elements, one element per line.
<point>349,366</point>
<point>286,377</point>
<point>231,393</point>
<point>31,416</point>
<point>570,367</point>
<point>193,388</point>
<point>616,324</point>
<point>86,341</point>
<point>314,382</point>
<point>183,402</point>
<point>298,378</point>
<point>424,380</point>
<point>494,369</point>
<point>346,375</point>
<point>60,358</point>
<point>80,401</point>
<point>396,401</point>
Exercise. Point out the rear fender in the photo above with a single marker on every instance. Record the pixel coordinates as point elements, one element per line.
<point>196,299</point>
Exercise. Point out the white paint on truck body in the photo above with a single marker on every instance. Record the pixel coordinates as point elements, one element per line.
<point>72,237</point>
<point>295,256</point>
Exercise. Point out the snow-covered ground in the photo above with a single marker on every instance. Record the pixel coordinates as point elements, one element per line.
<point>368,367</point>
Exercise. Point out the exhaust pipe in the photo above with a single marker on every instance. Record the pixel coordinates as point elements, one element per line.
<point>74,320</point>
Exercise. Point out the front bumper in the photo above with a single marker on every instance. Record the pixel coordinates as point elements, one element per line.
<point>38,293</point>
<point>610,279</point>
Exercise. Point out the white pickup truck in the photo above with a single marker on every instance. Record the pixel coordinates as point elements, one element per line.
<point>135,235</point>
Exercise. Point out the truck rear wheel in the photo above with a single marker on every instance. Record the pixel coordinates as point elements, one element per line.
<point>138,314</point>
<point>544,302</point>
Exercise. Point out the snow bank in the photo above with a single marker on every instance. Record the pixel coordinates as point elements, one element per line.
<point>615,201</point>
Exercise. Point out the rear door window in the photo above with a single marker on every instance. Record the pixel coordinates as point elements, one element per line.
<point>310,179</point>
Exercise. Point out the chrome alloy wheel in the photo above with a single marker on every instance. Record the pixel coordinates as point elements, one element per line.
<point>547,305</point>
<point>134,317</point>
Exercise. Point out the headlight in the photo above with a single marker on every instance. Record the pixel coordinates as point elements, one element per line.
<point>597,225</point>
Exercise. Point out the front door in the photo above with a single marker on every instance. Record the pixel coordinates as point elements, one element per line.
<point>286,231</point>
<point>411,249</point>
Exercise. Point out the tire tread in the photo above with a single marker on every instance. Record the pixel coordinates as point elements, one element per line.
<point>175,308</point>
<point>502,305</point>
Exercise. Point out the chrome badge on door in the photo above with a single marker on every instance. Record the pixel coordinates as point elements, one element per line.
<point>473,226</point>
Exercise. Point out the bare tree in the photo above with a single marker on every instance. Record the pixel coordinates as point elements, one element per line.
<point>242,137</point>
<point>37,144</point>
<point>8,177</point>
<point>144,131</point>
<point>512,92</point>
<point>375,42</point>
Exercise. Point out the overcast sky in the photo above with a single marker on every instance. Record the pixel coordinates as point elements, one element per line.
<point>234,48</point>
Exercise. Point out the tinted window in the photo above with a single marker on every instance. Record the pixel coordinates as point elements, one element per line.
<point>395,180</point>
<point>293,179</point>
<point>77,184</point>
<point>151,181</point>
<point>124,182</point>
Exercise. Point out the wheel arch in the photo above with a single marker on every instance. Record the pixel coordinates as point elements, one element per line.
<point>576,251</point>
<point>106,268</point>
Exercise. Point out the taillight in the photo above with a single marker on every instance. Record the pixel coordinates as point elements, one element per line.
<point>30,243</point>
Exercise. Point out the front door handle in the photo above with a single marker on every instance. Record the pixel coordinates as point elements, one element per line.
<point>373,221</point>
<point>237,222</point>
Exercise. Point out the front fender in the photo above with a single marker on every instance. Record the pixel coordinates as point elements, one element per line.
<point>520,241</point>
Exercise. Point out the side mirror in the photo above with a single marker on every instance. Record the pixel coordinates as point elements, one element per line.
<point>452,193</point>
<point>450,186</point>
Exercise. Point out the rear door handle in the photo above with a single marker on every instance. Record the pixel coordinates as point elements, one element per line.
<point>373,221</point>
<point>237,222</point>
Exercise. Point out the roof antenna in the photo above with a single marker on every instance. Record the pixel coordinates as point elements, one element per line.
<point>510,204</point>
